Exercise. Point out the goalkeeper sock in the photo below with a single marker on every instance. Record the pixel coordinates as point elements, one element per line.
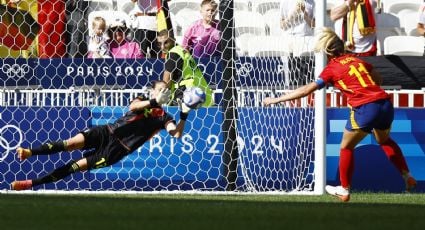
<point>394,154</point>
<point>346,167</point>
<point>49,148</point>
<point>58,174</point>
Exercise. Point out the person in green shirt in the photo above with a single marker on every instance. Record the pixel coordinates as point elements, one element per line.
<point>181,70</point>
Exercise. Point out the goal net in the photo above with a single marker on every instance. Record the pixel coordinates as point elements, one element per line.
<point>51,89</point>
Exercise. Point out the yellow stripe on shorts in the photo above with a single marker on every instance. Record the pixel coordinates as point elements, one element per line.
<point>353,122</point>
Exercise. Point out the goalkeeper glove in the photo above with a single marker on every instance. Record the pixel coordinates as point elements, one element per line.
<point>163,96</point>
<point>184,109</point>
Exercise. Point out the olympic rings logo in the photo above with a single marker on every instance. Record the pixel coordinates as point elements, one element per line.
<point>243,69</point>
<point>15,70</point>
<point>5,144</point>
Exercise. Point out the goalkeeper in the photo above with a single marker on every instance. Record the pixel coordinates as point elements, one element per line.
<point>111,142</point>
<point>181,70</point>
<point>371,109</point>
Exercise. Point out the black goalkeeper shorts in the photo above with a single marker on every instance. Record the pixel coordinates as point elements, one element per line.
<point>107,149</point>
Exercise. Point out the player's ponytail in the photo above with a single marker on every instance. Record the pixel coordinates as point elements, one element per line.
<point>329,42</point>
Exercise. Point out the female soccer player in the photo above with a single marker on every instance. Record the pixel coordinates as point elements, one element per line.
<point>371,109</point>
<point>111,142</point>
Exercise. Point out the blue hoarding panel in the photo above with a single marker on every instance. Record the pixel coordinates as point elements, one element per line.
<point>195,160</point>
<point>62,73</point>
<point>373,171</point>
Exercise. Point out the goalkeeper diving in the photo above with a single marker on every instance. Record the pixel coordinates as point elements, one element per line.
<point>108,144</point>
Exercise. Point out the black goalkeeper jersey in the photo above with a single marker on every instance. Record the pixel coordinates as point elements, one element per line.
<point>135,128</point>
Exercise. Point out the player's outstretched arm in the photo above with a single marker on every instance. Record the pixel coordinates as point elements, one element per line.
<point>162,98</point>
<point>297,93</point>
<point>177,130</point>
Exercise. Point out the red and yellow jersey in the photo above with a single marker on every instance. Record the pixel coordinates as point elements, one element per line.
<point>352,76</point>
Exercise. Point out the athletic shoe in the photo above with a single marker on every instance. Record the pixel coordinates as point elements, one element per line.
<point>23,153</point>
<point>410,184</point>
<point>342,193</point>
<point>19,185</point>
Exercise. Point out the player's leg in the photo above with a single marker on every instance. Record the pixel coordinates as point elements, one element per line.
<point>51,147</point>
<point>346,163</point>
<point>55,175</point>
<point>381,132</point>
<point>395,155</point>
<point>346,159</point>
<point>357,127</point>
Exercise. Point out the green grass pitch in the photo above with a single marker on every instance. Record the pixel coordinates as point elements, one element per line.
<point>184,211</point>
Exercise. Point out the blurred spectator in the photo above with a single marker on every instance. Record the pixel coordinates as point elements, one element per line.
<point>143,20</point>
<point>203,36</point>
<point>76,27</point>
<point>119,46</point>
<point>98,48</point>
<point>297,22</point>
<point>180,69</point>
<point>297,17</point>
<point>421,23</point>
<point>359,35</point>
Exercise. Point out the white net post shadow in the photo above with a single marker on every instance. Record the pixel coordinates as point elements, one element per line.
<point>234,145</point>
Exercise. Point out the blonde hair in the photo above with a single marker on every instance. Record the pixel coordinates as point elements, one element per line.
<point>329,42</point>
<point>99,21</point>
<point>212,2</point>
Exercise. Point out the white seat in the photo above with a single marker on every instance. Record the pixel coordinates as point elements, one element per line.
<point>272,20</point>
<point>409,21</point>
<point>303,46</point>
<point>242,44</point>
<point>267,46</point>
<point>383,32</point>
<point>125,5</point>
<point>262,6</point>
<point>241,5</point>
<point>185,18</point>
<point>109,16</point>
<point>387,20</point>
<point>404,45</point>
<point>393,6</point>
<point>249,22</point>
<point>176,5</point>
<point>331,4</point>
<point>96,5</point>
<point>386,25</point>
<point>179,39</point>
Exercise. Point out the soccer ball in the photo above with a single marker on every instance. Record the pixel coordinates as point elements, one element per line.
<point>194,97</point>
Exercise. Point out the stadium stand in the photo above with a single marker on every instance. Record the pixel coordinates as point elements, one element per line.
<point>387,25</point>
<point>409,21</point>
<point>262,6</point>
<point>125,5</point>
<point>411,45</point>
<point>271,17</point>
<point>271,46</point>
<point>184,18</point>
<point>394,6</point>
<point>249,22</point>
<point>303,46</point>
<point>177,5</point>
<point>96,5</point>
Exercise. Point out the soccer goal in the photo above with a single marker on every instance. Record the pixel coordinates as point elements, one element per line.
<point>50,90</point>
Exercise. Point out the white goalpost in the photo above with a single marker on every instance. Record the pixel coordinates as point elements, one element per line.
<point>237,145</point>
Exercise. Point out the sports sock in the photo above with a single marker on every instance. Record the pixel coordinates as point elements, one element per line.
<point>394,154</point>
<point>49,148</point>
<point>346,167</point>
<point>58,173</point>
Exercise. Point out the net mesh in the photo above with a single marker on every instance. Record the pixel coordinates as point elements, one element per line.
<point>51,90</point>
